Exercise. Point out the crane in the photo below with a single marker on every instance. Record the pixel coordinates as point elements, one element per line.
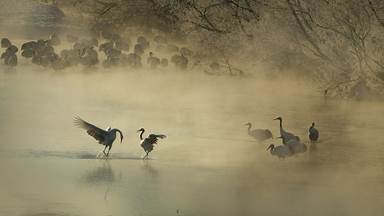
<point>104,137</point>
<point>148,143</point>
<point>259,134</point>
<point>280,151</point>
<point>313,133</point>
<point>284,134</point>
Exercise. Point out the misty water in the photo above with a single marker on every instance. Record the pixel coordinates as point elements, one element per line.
<point>208,165</point>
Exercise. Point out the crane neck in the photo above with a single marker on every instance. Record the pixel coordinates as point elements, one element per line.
<point>114,130</point>
<point>249,127</point>
<point>141,135</point>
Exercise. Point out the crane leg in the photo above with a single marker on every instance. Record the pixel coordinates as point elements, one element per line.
<point>105,154</point>
<point>146,156</point>
<point>109,149</point>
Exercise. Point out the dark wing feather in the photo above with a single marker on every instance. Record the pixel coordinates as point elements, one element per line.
<point>92,130</point>
<point>154,137</point>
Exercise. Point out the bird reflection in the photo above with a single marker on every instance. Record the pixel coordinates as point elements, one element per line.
<point>149,168</point>
<point>101,175</point>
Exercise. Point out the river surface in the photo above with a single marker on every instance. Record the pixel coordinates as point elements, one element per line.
<point>207,165</point>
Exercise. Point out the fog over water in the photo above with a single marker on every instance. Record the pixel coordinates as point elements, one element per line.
<point>208,165</point>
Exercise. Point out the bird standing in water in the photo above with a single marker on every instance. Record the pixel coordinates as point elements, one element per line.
<point>148,143</point>
<point>105,137</point>
<point>259,134</point>
<point>286,136</point>
<point>313,133</point>
<point>280,151</point>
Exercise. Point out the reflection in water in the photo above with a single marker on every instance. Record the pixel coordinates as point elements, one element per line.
<point>147,166</point>
<point>47,214</point>
<point>100,175</point>
<point>75,155</point>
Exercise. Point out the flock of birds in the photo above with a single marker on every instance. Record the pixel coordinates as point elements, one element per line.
<point>291,143</point>
<point>118,50</point>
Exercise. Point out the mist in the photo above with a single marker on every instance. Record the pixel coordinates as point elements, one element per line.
<point>207,165</point>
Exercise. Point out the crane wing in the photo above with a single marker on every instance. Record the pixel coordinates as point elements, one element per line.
<point>152,138</point>
<point>92,130</point>
<point>155,136</point>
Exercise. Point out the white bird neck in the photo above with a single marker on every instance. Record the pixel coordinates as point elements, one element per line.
<point>141,134</point>
<point>281,123</point>
<point>249,127</point>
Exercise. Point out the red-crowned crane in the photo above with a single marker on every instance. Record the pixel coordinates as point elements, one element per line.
<point>313,133</point>
<point>280,151</point>
<point>148,143</point>
<point>105,137</point>
<point>259,134</point>
<point>286,136</point>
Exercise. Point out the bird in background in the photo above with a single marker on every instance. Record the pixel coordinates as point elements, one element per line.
<point>259,134</point>
<point>286,136</point>
<point>295,146</point>
<point>104,137</point>
<point>313,133</point>
<point>148,143</point>
<point>281,151</point>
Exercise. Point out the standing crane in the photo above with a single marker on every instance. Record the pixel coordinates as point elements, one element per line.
<point>148,143</point>
<point>286,136</point>
<point>105,137</point>
<point>313,133</point>
<point>259,134</point>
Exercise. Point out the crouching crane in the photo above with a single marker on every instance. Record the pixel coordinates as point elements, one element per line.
<point>148,143</point>
<point>280,151</point>
<point>295,146</point>
<point>104,137</point>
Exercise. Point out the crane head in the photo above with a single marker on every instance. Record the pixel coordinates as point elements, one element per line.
<point>313,124</point>
<point>141,130</point>
<point>248,124</point>
<point>271,147</point>
<point>278,118</point>
<point>121,134</point>
<point>121,137</point>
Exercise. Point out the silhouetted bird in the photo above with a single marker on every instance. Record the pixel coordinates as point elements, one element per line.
<point>280,151</point>
<point>153,61</point>
<point>284,134</point>
<point>148,143</point>
<point>295,146</point>
<point>104,137</point>
<point>313,133</point>
<point>5,43</point>
<point>259,134</point>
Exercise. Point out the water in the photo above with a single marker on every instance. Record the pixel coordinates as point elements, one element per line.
<point>206,166</point>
